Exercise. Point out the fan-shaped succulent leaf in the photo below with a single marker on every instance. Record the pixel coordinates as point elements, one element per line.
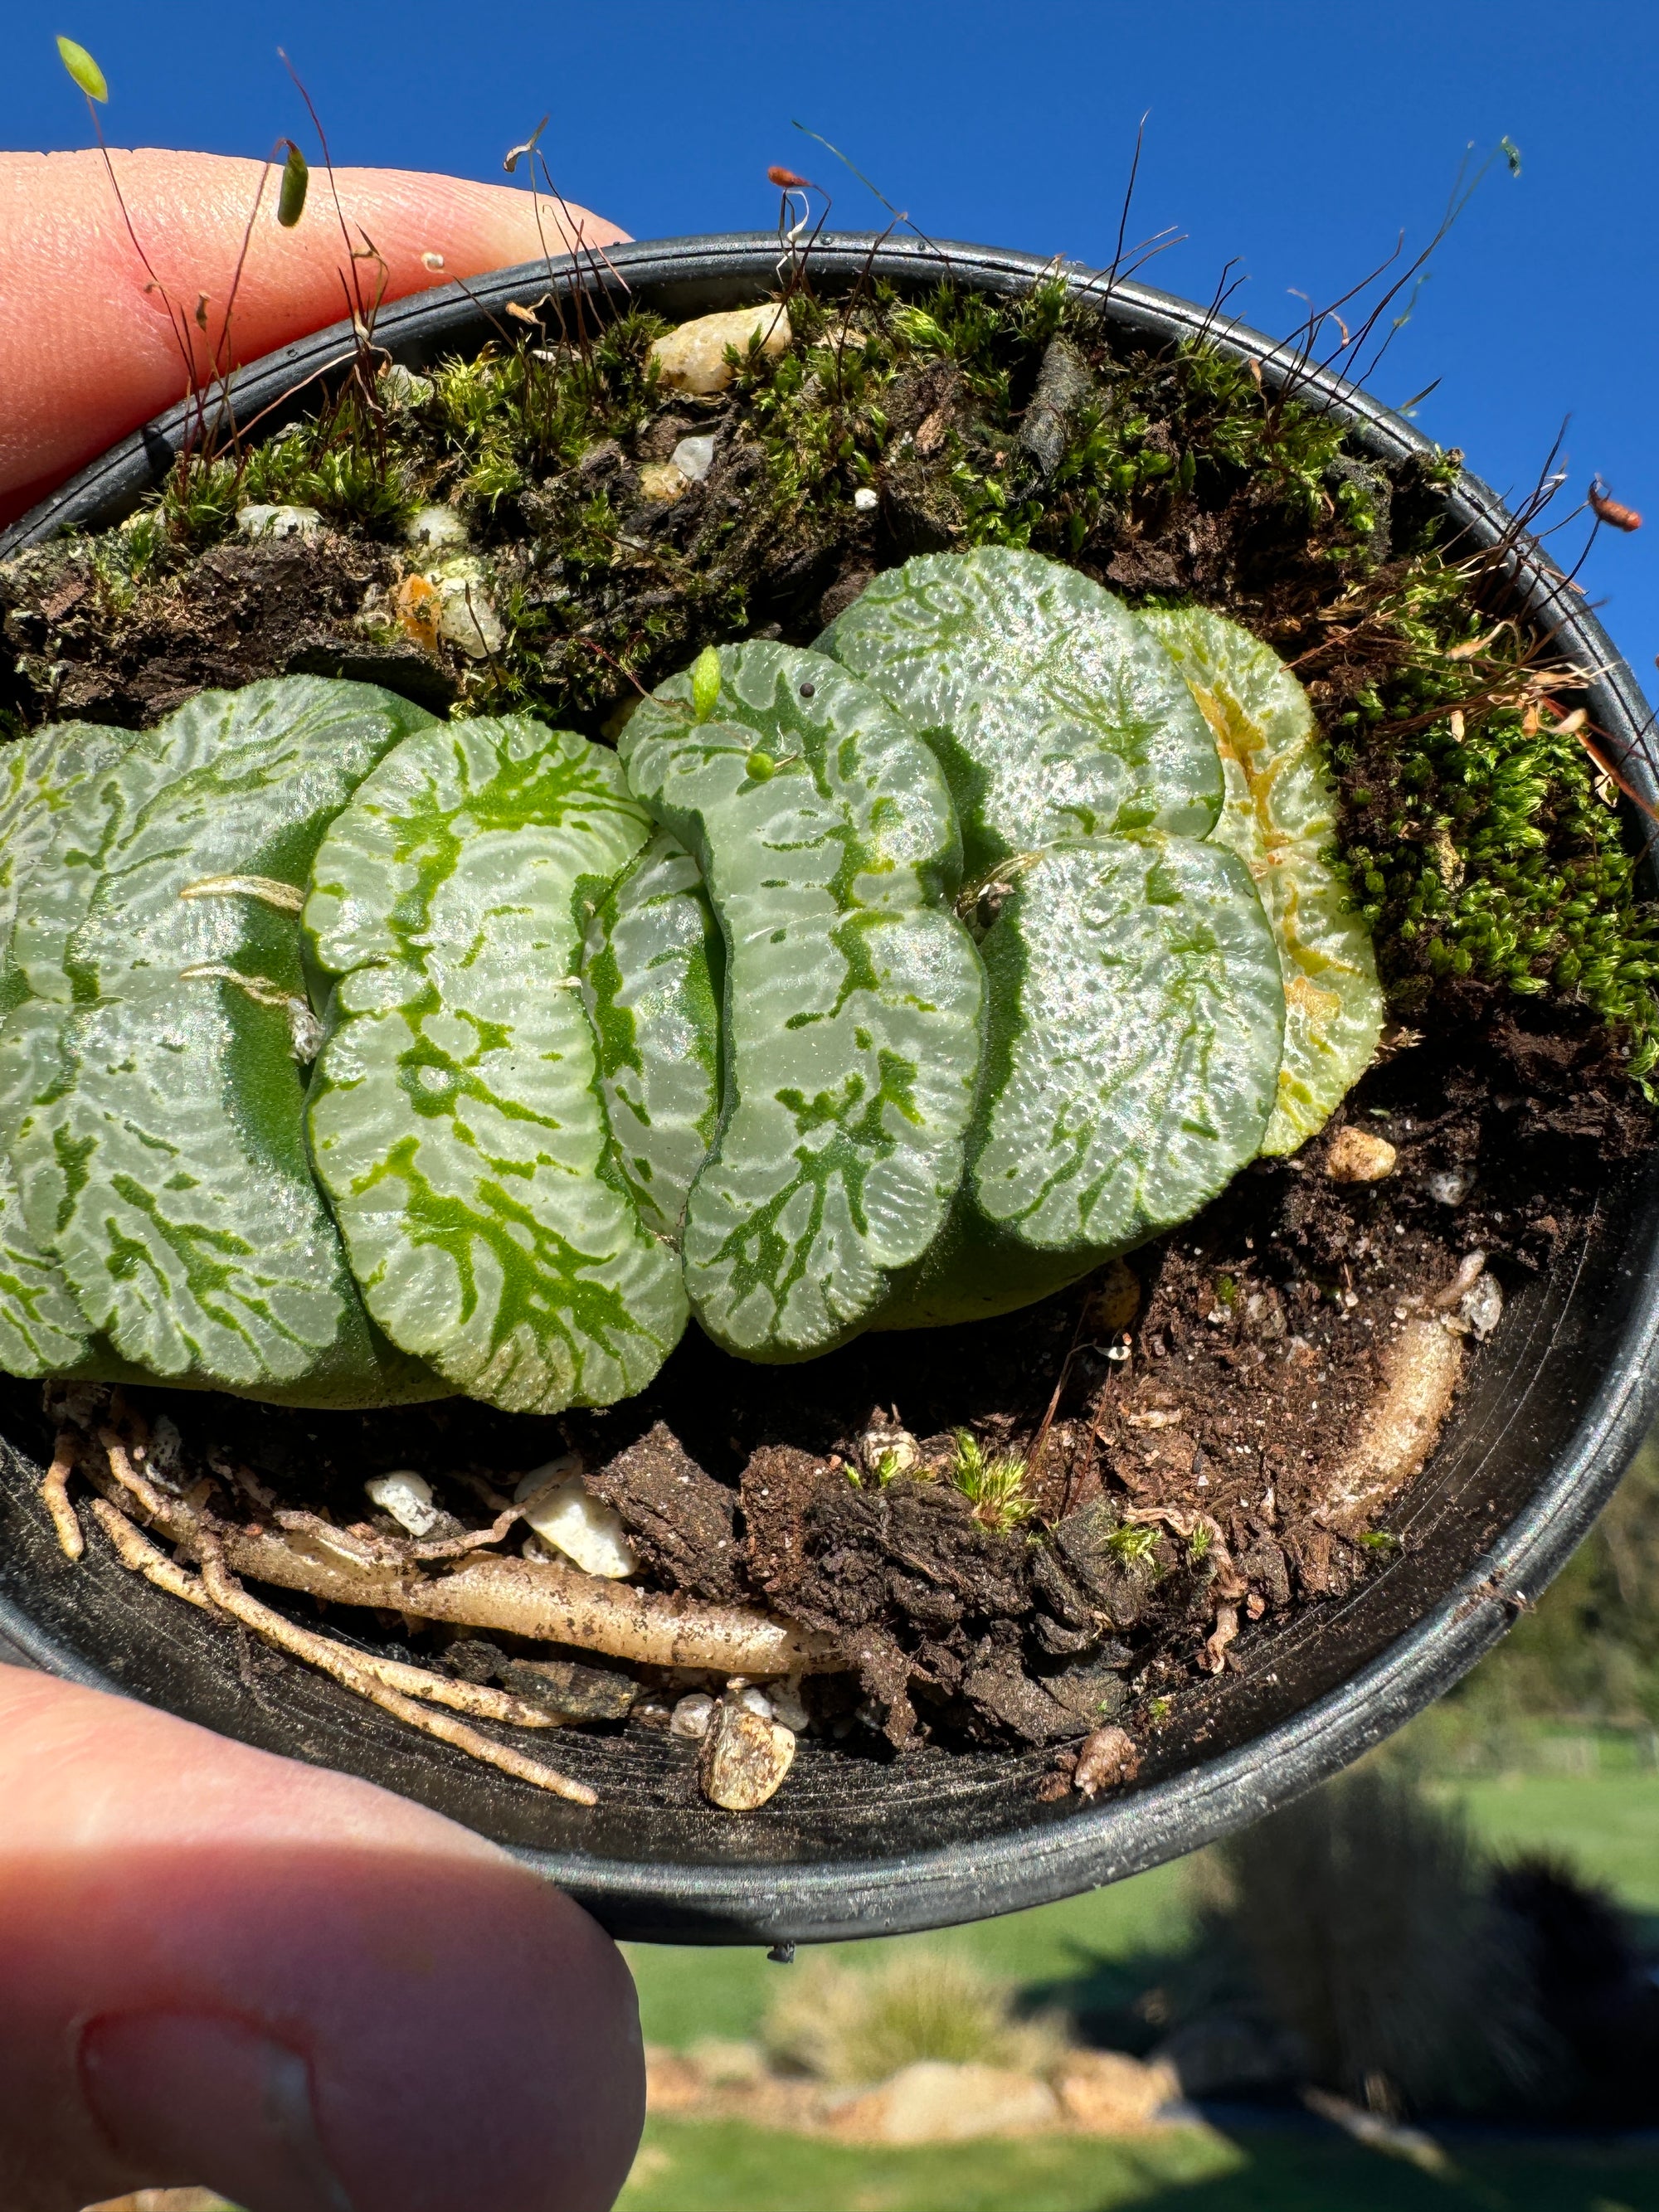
<point>652,967</point>
<point>1050,707</point>
<point>1281,819</point>
<point>1137,1016</point>
<point>151,1077</point>
<point>854,1001</point>
<point>455,1115</point>
<point>42,1330</point>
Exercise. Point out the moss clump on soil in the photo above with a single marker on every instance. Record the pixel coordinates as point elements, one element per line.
<point>1479,833</point>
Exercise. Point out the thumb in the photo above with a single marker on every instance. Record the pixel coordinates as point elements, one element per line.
<point>227,1971</point>
<point>87,350</point>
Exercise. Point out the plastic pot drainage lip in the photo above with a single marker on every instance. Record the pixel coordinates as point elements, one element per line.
<point>1556,1405</point>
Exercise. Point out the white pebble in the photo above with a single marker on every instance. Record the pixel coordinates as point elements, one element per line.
<point>435,526</point>
<point>262,521</point>
<point>865,499</point>
<point>401,387</point>
<point>1451,1186</point>
<point>1482,1307</point>
<point>754,1699</point>
<point>693,457</point>
<point>573,1522</point>
<point>407,1497</point>
<point>692,1716</point>
<point>744,1759</point>
<point>467,614</point>
<point>786,1705</point>
<point>693,358</point>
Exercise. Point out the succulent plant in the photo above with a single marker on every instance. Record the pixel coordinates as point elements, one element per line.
<point>600,1040</point>
<point>1054,713</point>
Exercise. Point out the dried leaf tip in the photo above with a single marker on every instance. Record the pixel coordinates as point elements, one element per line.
<point>291,202</point>
<point>83,69</point>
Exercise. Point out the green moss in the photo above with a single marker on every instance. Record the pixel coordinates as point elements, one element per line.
<point>1491,855</point>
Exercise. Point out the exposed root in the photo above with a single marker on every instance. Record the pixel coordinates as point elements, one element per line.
<point>353,1673</point>
<point>1215,1646</point>
<point>1421,1372</point>
<point>135,1550</point>
<point>539,1599</point>
<point>54,1494</point>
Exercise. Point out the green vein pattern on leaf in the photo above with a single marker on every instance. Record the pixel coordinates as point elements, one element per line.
<point>853,999</point>
<point>1054,713</point>
<point>455,1116</point>
<point>153,1102</point>
<point>1137,1016</point>
<point>651,972</point>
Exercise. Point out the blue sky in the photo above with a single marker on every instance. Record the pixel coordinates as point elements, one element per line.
<point>1300,137</point>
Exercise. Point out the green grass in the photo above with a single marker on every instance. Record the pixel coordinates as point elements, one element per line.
<point>1606,1822</point>
<point>688,2166</point>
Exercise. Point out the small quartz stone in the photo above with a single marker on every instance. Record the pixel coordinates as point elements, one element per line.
<point>692,1716</point>
<point>754,1699</point>
<point>884,1451</point>
<point>402,390</point>
<point>258,521</point>
<point>467,614</point>
<point>575,1523</point>
<point>865,499</point>
<point>744,1758</point>
<point>662,482</point>
<point>1481,1307</point>
<point>435,527</point>
<point>693,358</point>
<point>693,457</point>
<point>407,1497</point>
<point>786,1705</point>
<point>1356,1156</point>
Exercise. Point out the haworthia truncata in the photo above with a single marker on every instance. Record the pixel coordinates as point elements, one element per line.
<point>151,1085</point>
<point>455,1114</point>
<point>853,999</point>
<point>42,1329</point>
<point>1137,1016</point>
<point>1054,713</point>
<point>1280,818</point>
<point>652,962</point>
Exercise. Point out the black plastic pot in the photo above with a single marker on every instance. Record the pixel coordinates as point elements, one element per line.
<point>1556,1404</point>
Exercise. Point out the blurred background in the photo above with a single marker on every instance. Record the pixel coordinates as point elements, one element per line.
<point>1434,1983</point>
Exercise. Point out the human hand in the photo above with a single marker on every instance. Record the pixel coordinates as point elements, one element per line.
<point>87,352</point>
<point>221,1968</point>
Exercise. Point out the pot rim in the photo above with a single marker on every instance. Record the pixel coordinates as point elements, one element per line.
<point>785,1902</point>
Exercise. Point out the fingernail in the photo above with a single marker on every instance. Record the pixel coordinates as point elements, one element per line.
<point>191,2100</point>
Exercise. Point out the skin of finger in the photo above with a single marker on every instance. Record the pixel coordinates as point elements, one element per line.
<point>88,352</point>
<point>472,2035</point>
